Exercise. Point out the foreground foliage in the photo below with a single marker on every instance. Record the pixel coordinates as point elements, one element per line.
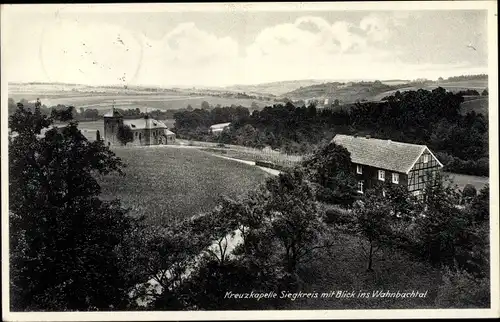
<point>64,241</point>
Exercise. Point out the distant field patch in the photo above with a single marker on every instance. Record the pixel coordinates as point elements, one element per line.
<point>462,179</point>
<point>478,85</point>
<point>479,105</point>
<point>171,182</point>
<point>132,101</point>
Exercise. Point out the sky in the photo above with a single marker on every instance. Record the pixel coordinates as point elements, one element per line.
<point>220,48</point>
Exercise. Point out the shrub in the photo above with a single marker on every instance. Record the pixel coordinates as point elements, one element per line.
<point>461,290</point>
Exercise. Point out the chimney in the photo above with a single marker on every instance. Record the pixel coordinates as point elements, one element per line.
<point>367,136</point>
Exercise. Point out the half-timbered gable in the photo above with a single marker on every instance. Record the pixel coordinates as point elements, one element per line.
<point>423,169</point>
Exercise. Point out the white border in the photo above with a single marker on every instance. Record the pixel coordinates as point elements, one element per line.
<point>258,315</point>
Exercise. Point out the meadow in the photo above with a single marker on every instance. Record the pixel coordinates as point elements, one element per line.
<point>143,101</point>
<point>462,179</point>
<point>452,86</point>
<point>167,183</point>
<point>479,105</point>
<point>343,268</point>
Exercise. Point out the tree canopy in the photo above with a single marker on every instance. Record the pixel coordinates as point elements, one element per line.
<point>65,241</point>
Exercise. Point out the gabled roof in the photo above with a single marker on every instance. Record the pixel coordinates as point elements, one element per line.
<point>168,132</point>
<point>219,126</point>
<point>141,124</point>
<point>382,154</point>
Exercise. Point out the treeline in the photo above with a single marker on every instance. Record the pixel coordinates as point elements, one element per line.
<point>425,117</point>
<point>468,77</point>
<point>72,251</point>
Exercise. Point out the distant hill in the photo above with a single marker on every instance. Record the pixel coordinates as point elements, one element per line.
<point>452,86</point>
<point>344,92</point>
<point>350,92</point>
<point>275,88</point>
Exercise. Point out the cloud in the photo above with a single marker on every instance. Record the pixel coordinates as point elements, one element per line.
<point>72,51</point>
<point>379,27</point>
<point>188,55</point>
<point>309,47</point>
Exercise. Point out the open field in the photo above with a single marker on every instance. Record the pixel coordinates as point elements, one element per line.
<point>479,105</point>
<point>143,101</point>
<point>457,86</point>
<point>170,182</point>
<point>462,179</point>
<point>343,268</point>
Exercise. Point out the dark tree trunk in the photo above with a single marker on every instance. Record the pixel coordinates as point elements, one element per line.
<point>370,259</point>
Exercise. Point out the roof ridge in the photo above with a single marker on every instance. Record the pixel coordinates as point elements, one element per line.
<point>383,140</point>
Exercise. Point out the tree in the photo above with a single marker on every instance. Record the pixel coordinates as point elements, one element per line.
<point>205,105</point>
<point>468,193</point>
<point>330,168</point>
<point>296,220</point>
<point>373,221</point>
<point>64,114</point>
<point>98,135</point>
<point>485,92</point>
<point>125,134</point>
<point>189,107</point>
<point>91,113</point>
<point>441,223</point>
<point>481,204</point>
<point>254,105</point>
<point>64,241</point>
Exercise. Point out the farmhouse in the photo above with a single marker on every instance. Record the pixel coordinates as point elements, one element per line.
<point>146,131</point>
<point>375,160</point>
<point>218,128</point>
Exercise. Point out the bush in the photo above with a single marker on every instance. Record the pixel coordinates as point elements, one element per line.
<point>461,290</point>
<point>336,214</point>
<point>125,134</point>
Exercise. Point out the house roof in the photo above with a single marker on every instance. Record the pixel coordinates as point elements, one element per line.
<point>382,154</point>
<point>141,124</point>
<point>219,126</point>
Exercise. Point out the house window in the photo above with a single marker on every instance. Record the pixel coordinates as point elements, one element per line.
<point>135,134</point>
<point>381,175</point>
<point>395,178</point>
<point>426,158</point>
<point>360,186</point>
<point>359,169</point>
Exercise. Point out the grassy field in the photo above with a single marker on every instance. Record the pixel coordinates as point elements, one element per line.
<point>457,86</point>
<point>104,101</point>
<point>479,105</point>
<point>343,268</point>
<point>462,179</point>
<point>171,182</point>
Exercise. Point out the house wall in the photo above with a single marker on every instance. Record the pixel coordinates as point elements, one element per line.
<point>370,176</point>
<point>422,172</point>
<point>111,129</point>
<point>152,137</point>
